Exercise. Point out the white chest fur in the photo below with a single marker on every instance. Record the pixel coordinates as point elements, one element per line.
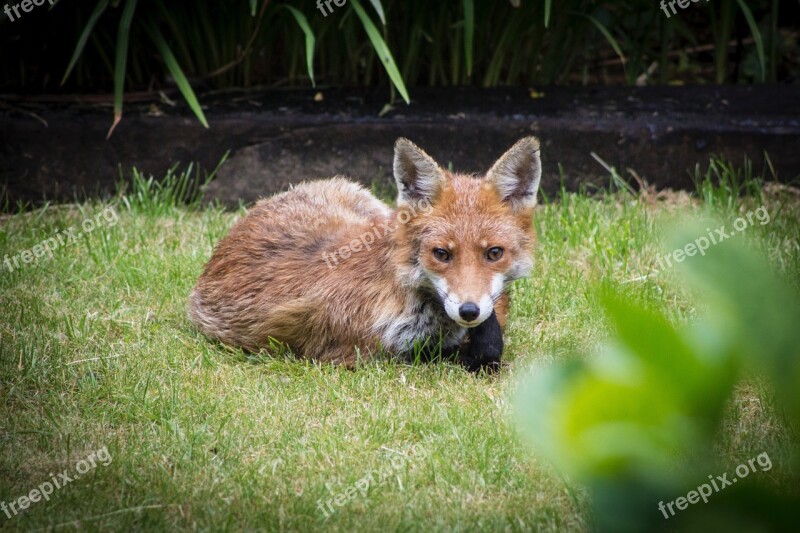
<point>422,320</point>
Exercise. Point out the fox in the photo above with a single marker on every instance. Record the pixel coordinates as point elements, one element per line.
<point>432,280</point>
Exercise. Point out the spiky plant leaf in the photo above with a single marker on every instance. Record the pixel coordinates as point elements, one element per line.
<point>751,21</point>
<point>302,21</point>
<point>469,33</point>
<point>120,64</point>
<point>99,9</point>
<point>177,73</point>
<point>379,10</point>
<point>382,49</point>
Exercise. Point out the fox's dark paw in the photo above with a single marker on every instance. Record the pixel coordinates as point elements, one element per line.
<point>486,348</point>
<point>475,365</point>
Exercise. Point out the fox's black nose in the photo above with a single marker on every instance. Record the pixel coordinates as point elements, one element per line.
<point>469,311</point>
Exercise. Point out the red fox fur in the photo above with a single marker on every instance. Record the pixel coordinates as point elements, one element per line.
<point>299,268</point>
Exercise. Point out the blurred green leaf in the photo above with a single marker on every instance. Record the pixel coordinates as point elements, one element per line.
<point>632,406</point>
<point>631,419</point>
<point>751,308</point>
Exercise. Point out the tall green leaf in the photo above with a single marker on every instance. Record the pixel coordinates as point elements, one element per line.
<point>379,9</point>
<point>382,50</point>
<point>469,32</point>
<point>722,26</point>
<point>610,38</point>
<point>177,73</point>
<point>120,64</point>
<point>751,21</point>
<point>87,30</point>
<point>548,4</point>
<point>302,21</point>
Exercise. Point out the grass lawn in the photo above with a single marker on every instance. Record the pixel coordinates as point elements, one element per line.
<point>96,352</point>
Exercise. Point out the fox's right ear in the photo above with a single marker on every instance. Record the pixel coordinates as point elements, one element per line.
<point>418,176</point>
<point>517,173</point>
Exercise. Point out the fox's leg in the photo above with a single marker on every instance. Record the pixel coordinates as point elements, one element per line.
<point>485,347</point>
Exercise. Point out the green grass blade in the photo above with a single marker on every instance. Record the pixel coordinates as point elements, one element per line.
<point>469,33</point>
<point>382,50</point>
<point>302,21</point>
<point>87,30</point>
<point>120,63</point>
<point>751,21</point>
<point>177,73</point>
<point>379,9</point>
<point>253,7</point>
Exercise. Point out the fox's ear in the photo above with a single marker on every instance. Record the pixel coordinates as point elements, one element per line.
<point>516,175</point>
<point>418,176</point>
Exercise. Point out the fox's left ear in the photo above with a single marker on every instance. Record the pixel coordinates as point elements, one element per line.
<point>516,175</point>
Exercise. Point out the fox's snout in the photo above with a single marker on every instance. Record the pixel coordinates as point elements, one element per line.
<point>470,310</point>
<point>469,314</point>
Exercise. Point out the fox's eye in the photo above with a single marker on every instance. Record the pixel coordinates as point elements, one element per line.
<point>441,254</point>
<point>494,254</point>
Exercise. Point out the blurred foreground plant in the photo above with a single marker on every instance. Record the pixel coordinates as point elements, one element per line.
<point>637,421</point>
